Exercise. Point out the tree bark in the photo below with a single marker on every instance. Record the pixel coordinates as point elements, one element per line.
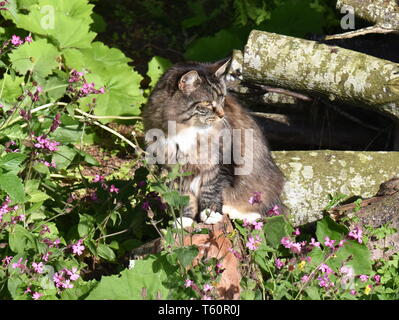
<point>313,175</point>
<point>317,69</point>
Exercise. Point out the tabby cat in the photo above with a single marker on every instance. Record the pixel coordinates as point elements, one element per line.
<point>191,98</point>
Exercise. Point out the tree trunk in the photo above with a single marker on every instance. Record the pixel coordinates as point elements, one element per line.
<point>318,69</point>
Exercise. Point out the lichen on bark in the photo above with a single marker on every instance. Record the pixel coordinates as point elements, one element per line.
<point>313,175</point>
<point>310,67</point>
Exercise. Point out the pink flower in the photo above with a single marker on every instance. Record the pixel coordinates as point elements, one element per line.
<point>56,122</point>
<point>279,263</point>
<point>257,225</point>
<point>35,97</point>
<point>353,292</point>
<point>341,243</point>
<point>347,270</point>
<point>38,267</point>
<point>207,287</point>
<point>73,273</point>
<point>328,242</point>
<point>28,39</point>
<point>19,264</point>
<point>297,232</point>
<point>246,223</point>
<point>75,76</point>
<point>60,280</point>
<point>253,243</point>
<point>98,178</point>
<point>325,268</point>
<point>219,268</point>
<point>46,256</point>
<point>295,247</point>
<point>275,211</point>
<point>286,242</point>
<point>78,248</point>
<point>113,189</point>
<point>325,282</point>
<point>16,40</point>
<point>47,144</point>
<point>363,278</point>
<point>377,278</point>
<point>188,283</point>
<point>145,205</point>
<point>48,164</point>
<point>6,261</point>
<point>356,234</point>
<point>2,5</point>
<point>37,295</point>
<point>305,278</point>
<point>255,198</point>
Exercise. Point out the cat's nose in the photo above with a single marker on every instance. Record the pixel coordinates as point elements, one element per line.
<point>219,111</point>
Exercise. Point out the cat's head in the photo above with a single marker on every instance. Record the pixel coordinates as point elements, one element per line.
<point>196,92</point>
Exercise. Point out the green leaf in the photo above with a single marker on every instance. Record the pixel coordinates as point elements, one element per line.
<point>11,161</point>
<point>41,168</point>
<point>109,68</point>
<point>175,199</point>
<point>131,283</point>
<point>12,89</point>
<point>64,156</point>
<point>218,46</point>
<point>70,131</point>
<point>21,240</point>
<point>39,57</point>
<point>329,228</point>
<point>294,18</point>
<point>156,67</point>
<point>106,252</point>
<point>38,196</point>
<point>276,228</point>
<point>313,293</point>
<point>317,256</point>
<point>79,291</point>
<point>67,22</point>
<point>13,186</point>
<point>186,254</point>
<point>55,86</point>
<point>353,254</point>
<point>86,224</point>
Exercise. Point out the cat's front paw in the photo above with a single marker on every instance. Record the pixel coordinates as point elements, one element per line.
<point>210,217</point>
<point>183,222</point>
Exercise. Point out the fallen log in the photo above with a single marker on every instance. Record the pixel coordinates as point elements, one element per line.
<point>312,68</point>
<point>313,175</point>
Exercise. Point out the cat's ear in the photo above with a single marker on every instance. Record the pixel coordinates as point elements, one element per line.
<point>189,82</point>
<point>222,67</point>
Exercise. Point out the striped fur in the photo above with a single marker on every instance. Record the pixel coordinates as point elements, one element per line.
<point>194,95</point>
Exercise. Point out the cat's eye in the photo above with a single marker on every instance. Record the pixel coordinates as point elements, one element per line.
<point>206,104</point>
